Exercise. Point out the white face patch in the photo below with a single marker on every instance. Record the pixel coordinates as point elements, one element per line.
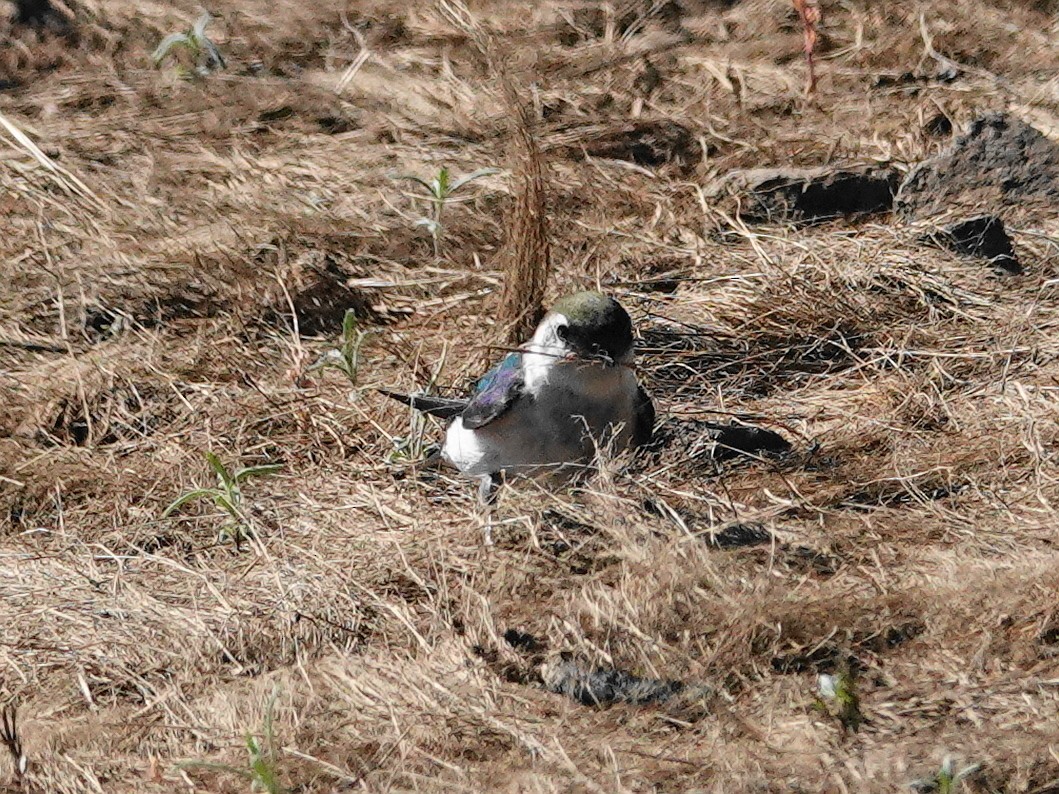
<point>547,342</point>
<point>543,352</point>
<point>546,337</point>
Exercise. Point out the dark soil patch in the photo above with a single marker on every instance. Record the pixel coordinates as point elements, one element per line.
<point>646,143</point>
<point>799,559</point>
<point>321,306</point>
<point>809,195</point>
<point>982,237</point>
<point>682,361</point>
<point>893,493</point>
<point>715,441</point>
<point>999,161</point>
<point>125,412</point>
<point>847,648</point>
<point>735,536</point>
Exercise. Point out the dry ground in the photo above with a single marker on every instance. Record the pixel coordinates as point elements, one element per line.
<point>166,287</point>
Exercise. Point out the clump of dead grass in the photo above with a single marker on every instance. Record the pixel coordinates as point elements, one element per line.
<point>526,255</point>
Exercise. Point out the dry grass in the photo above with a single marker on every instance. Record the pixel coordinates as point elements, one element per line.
<point>527,256</point>
<point>178,253</point>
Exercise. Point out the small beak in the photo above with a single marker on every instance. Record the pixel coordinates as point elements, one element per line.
<point>602,356</point>
<point>594,356</point>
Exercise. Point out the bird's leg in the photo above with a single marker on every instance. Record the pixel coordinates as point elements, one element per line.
<point>487,497</point>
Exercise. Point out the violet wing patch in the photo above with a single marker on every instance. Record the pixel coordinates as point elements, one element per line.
<point>495,392</point>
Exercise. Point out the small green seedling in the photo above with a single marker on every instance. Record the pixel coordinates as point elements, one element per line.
<point>228,496</point>
<point>410,448</point>
<point>262,767</point>
<point>838,697</point>
<point>346,358</point>
<point>204,54</point>
<point>413,447</point>
<point>946,780</point>
<point>438,191</point>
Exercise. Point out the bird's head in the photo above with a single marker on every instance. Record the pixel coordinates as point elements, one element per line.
<point>587,327</point>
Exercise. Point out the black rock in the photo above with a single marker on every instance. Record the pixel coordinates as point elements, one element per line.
<point>1000,160</point>
<point>736,536</point>
<point>983,236</point>
<point>733,440</point>
<point>805,195</point>
<point>938,125</point>
<point>694,439</point>
<point>522,641</point>
<point>603,687</point>
<point>32,12</point>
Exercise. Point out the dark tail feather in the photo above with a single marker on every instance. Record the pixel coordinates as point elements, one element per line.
<point>444,407</point>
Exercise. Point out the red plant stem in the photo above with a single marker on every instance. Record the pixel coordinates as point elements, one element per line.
<point>809,12</point>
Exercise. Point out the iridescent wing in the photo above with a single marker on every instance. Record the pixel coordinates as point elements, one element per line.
<point>495,393</point>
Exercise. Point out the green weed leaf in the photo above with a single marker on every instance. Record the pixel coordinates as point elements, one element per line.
<point>257,471</point>
<point>222,472</point>
<point>198,493</point>
<point>207,56</point>
<point>170,41</point>
<point>467,178</point>
<point>199,31</point>
<point>440,185</point>
<point>227,504</point>
<point>349,325</point>
<point>418,180</point>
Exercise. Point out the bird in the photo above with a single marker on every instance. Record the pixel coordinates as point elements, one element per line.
<point>548,406</point>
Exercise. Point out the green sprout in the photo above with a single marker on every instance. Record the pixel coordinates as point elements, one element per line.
<point>228,496</point>
<point>345,358</point>
<point>947,779</point>
<point>838,697</point>
<point>410,448</point>
<point>262,762</point>
<point>203,52</point>
<point>413,447</point>
<point>438,192</point>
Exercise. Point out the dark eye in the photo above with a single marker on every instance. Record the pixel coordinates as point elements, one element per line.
<point>563,332</point>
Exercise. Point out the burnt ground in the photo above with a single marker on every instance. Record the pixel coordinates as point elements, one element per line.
<point>178,252</point>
